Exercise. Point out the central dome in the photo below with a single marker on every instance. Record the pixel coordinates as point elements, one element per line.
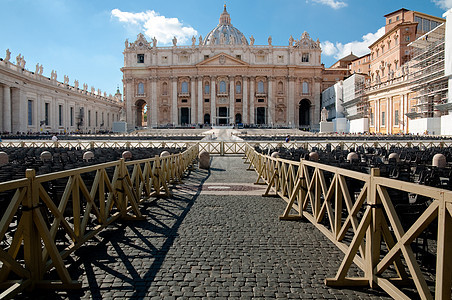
<point>225,33</point>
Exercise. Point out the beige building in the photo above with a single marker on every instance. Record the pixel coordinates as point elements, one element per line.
<point>392,90</point>
<point>31,102</point>
<point>224,78</point>
<point>361,65</point>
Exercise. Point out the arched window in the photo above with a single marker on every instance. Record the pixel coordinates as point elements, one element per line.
<point>206,88</point>
<point>222,86</point>
<point>140,88</point>
<point>305,87</point>
<point>260,87</point>
<point>184,87</point>
<point>238,88</point>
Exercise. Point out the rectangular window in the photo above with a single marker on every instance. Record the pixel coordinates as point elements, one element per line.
<point>407,38</point>
<point>30,112</point>
<point>305,57</point>
<point>47,114</point>
<point>206,100</point>
<point>383,118</point>
<point>60,115</point>
<point>89,117</point>
<point>260,100</point>
<point>96,119</point>
<point>184,101</point>
<point>238,100</point>
<point>426,25</point>
<point>372,118</point>
<point>140,58</point>
<point>206,89</point>
<point>396,117</point>
<point>72,116</point>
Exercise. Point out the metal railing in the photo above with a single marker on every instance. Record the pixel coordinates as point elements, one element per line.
<point>39,228</point>
<point>356,212</point>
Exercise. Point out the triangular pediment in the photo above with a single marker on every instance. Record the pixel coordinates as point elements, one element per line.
<point>222,59</point>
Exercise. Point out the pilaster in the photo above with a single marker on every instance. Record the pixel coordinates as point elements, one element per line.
<point>245,118</point>
<point>154,106</point>
<point>213,106</point>
<point>200,101</point>
<point>192,100</point>
<point>252,91</point>
<point>174,118</point>
<point>291,102</point>
<point>271,106</point>
<point>231,100</point>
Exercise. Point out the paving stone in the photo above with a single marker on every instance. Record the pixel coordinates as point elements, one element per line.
<point>196,245</point>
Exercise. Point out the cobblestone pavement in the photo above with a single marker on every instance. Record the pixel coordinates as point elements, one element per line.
<point>221,243</point>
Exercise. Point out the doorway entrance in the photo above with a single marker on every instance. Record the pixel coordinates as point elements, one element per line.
<point>260,116</point>
<point>184,115</point>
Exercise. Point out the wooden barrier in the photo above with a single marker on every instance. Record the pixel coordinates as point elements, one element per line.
<point>39,230</point>
<point>363,212</point>
<point>225,147</point>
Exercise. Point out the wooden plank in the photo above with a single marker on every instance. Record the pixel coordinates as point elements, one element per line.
<point>51,247</point>
<point>443,257</point>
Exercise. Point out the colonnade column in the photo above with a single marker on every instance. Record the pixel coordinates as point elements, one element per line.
<point>245,100</point>
<point>291,102</point>
<point>231,100</point>
<point>270,101</point>
<point>174,118</point>
<point>213,106</point>
<point>192,100</point>
<point>252,90</point>
<point>6,108</point>
<point>200,102</point>
<point>154,106</point>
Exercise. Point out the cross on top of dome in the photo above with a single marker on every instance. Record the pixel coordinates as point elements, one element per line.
<point>225,18</point>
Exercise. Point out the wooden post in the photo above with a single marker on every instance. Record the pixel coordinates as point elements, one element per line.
<point>443,258</point>
<point>373,235</point>
<point>32,241</point>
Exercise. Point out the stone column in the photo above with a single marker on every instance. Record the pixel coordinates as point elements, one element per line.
<point>2,87</point>
<point>192,100</point>
<point>245,100</point>
<point>231,100</point>
<point>291,102</point>
<point>154,106</point>
<point>200,101</point>
<point>6,108</point>
<point>270,101</point>
<point>128,99</point>
<point>213,106</point>
<point>174,114</point>
<point>252,92</point>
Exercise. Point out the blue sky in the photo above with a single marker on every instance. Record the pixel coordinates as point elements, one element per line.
<point>84,39</point>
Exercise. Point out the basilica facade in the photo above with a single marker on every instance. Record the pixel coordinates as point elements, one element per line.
<point>224,78</point>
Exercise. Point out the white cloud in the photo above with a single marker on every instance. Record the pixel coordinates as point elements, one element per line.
<point>155,25</point>
<point>358,48</point>
<point>444,4</point>
<point>332,3</point>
